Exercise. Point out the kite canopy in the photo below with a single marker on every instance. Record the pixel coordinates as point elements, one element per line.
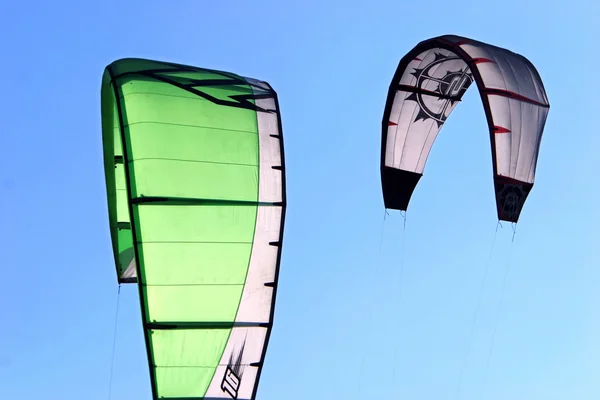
<point>429,81</point>
<point>195,179</point>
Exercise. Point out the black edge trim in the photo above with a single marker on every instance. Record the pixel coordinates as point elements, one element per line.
<point>114,77</point>
<point>174,201</point>
<point>204,325</point>
<point>135,239</point>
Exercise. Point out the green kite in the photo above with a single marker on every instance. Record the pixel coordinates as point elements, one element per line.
<point>195,177</point>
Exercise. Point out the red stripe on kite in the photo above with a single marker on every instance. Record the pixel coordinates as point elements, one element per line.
<point>482,60</point>
<point>512,95</point>
<point>390,123</point>
<point>417,59</point>
<point>500,129</point>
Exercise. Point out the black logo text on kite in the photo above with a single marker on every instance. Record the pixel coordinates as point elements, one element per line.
<point>233,373</point>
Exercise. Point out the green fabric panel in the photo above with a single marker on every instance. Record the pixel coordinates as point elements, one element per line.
<point>176,178</point>
<point>230,227</point>
<point>228,263</point>
<point>216,148</point>
<point>211,303</point>
<point>192,259</point>
<point>196,353</point>
<point>195,224</point>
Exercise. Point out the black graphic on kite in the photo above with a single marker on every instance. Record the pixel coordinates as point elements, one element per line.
<point>174,75</point>
<point>450,88</point>
<point>511,196</point>
<point>233,373</point>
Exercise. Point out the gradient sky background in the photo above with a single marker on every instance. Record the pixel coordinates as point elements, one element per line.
<point>331,63</point>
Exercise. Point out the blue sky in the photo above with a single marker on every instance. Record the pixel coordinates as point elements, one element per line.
<point>340,314</point>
